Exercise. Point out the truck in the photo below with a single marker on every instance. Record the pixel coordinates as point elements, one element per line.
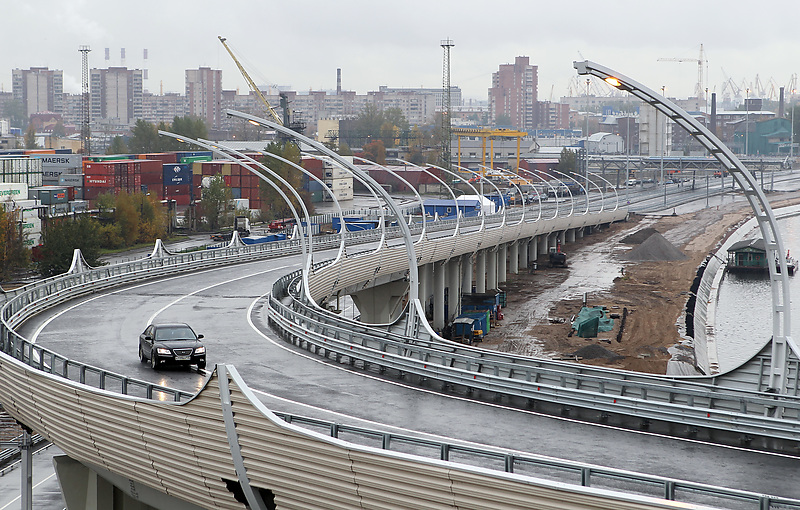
<point>241,224</point>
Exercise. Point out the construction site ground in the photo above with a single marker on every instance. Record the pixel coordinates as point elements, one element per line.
<point>541,303</point>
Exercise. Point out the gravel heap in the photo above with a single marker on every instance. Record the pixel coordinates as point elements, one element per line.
<point>639,236</point>
<point>656,247</point>
<point>596,351</point>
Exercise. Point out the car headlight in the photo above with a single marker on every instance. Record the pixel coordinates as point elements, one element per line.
<point>200,350</point>
<point>163,351</point>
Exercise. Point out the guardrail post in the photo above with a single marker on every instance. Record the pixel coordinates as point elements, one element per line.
<point>335,430</point>
<point>669,490</point>
<point>509,463</point>
<point>764,503</point>
<point>387,440</point>
<point>586,476</point>
<point>444,452</point>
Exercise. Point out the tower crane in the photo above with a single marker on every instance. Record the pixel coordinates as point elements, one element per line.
<point>267,107</point>
<point>699,90</point>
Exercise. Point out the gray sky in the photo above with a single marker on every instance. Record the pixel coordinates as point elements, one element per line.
<point>300,44</point>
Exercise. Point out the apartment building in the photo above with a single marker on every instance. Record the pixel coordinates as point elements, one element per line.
<point>116,95</point>
<point>204,95</point>
<point>514,94</point>
<point>39,89</point>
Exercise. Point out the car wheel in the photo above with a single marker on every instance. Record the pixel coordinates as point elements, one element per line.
<point>201,365</point>
<point>141,355</point>
<point>153,360</point>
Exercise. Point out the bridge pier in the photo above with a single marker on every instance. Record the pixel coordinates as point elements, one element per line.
<point>491,268</point>
<point>453,288</point>
<point>378,303</point>
<point>466,273</point>
<point>502,265</point>
<point>513,257</point>
<point>533,250</point>
<point>439,271</point>
<point>544,244</point>
<point>480,272</point>
<point>523,252</point>
<point>425,285</point>
<point>561,237</point>
<point>569,235</point>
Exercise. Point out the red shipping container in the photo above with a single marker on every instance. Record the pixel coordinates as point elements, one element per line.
<point>179,199</point>
<point>151,179</point>
<point>151,166</point>
<point>227,179</point>
<point>94,168</point>
<point>93,193</point>
<point>180,189</point>
<point>137,180</point>
<point>164,157</point>
<point>98,181</point>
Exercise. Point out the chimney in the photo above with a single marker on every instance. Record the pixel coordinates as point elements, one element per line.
<point>339,81</point>
<point>712,125</point>
<point>781,105</point>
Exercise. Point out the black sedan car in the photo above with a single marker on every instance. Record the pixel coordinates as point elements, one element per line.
<point>174,344</point>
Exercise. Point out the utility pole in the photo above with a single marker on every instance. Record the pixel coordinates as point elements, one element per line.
<point>447,131</point>
<point>86,130</point>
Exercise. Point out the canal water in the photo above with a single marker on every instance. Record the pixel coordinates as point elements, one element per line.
<point>744,310</point>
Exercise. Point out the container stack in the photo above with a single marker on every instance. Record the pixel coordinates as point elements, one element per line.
<point>339,181</point>
<point>177,179</point>
<point>314,187</point>
<point>21,169</point>
<point>112,176</point>
<point>152,177</point>
<point>242,182</point>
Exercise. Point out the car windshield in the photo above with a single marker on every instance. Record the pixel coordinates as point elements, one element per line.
<point>175,333</point>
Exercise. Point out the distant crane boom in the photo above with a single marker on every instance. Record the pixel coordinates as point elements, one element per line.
<point>267,107</point>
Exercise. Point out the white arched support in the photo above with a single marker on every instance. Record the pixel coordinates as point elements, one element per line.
<point>782,341</point>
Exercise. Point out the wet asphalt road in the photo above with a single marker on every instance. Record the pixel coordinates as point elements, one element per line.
<point>103,330</point>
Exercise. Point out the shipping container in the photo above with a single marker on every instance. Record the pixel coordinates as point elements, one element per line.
<point>70,180</point>
<point>92,192</point>
<point>49,195</point>
<point>92,168</point>
<point>236,193</point>
<point>13,191</point>
<point>98,181</point>
<point>188,160</point>
<point>176,174</point>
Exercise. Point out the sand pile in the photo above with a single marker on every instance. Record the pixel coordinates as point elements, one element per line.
<point>656,247</point>
<point>639,236</point>
<point>595,351</point>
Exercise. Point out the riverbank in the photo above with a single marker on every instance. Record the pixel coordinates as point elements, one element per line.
<point>540,306</point>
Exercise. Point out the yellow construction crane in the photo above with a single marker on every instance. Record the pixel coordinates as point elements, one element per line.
<point>267,107</point>
<point>491,134</point>
<point>699,90</point>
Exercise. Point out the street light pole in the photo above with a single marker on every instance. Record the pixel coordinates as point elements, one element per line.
<point>663,138</point>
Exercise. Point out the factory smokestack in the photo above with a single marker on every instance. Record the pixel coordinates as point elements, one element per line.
<point>338,81</point>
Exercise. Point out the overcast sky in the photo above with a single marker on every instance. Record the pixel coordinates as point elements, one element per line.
<point>301,44</point>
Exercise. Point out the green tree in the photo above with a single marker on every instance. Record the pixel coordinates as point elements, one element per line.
<point>128,217</point>
<point>117,146</point>
<point>344,149</point>
<point>145,138</point>
<point>15,112</point>
<point>214,203</point>
<point>13,254</point>
<point>272,204</point>
<point>30,138</point>
<point>375,151</point>
<point>568,162</point>
<point>59,130</point>
<point>60,239</point>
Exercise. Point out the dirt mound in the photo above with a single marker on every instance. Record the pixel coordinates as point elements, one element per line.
<point>639,236</point>
<point>656,247</point>
<point>596,351</point>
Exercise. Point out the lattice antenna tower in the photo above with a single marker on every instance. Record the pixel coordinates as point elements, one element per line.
<point>447,130</point>
<point>86,132</point>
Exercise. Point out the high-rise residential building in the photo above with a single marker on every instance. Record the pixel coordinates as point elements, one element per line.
<point>204,95</point>
<point>163,108</point>
<point>513,94</point>
<point>116,95</point>
<point>552,115</point>
<point>39,89</point>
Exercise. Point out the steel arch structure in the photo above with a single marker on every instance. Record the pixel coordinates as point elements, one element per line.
<point>782,341</point>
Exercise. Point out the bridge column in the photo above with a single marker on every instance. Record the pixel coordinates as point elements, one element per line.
<point>453,288</point>
<point>580,232</point>
<point>425,285</point>
<point>466,273</point>
<point>502,264</point>
<point>569,235</point>
<point>544,244</point>
<point>513,256</point>
<point>523,251</point>
<point>380,304</point>
<point>480,271</point>
<point>491,268</point>
<point>439,271</point>
<point>533,253</point>
<point>561,238</point>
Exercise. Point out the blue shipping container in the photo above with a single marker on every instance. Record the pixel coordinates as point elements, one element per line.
<point>176,174</point>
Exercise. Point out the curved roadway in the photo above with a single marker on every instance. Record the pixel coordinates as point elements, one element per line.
<point>225,304</point>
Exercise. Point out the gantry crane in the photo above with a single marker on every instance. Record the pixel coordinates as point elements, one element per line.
<point>267,107</point>
<point>699,90</point>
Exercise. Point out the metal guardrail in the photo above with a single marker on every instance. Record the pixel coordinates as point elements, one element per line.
<point>540,466</point>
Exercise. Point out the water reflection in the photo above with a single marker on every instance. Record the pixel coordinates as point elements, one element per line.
<point>744,313</point>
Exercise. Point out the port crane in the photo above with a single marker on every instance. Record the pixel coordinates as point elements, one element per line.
<point>250,83</point>
<point>699,90</point>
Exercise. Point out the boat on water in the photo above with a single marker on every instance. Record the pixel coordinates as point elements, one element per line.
<point>750,255</point>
